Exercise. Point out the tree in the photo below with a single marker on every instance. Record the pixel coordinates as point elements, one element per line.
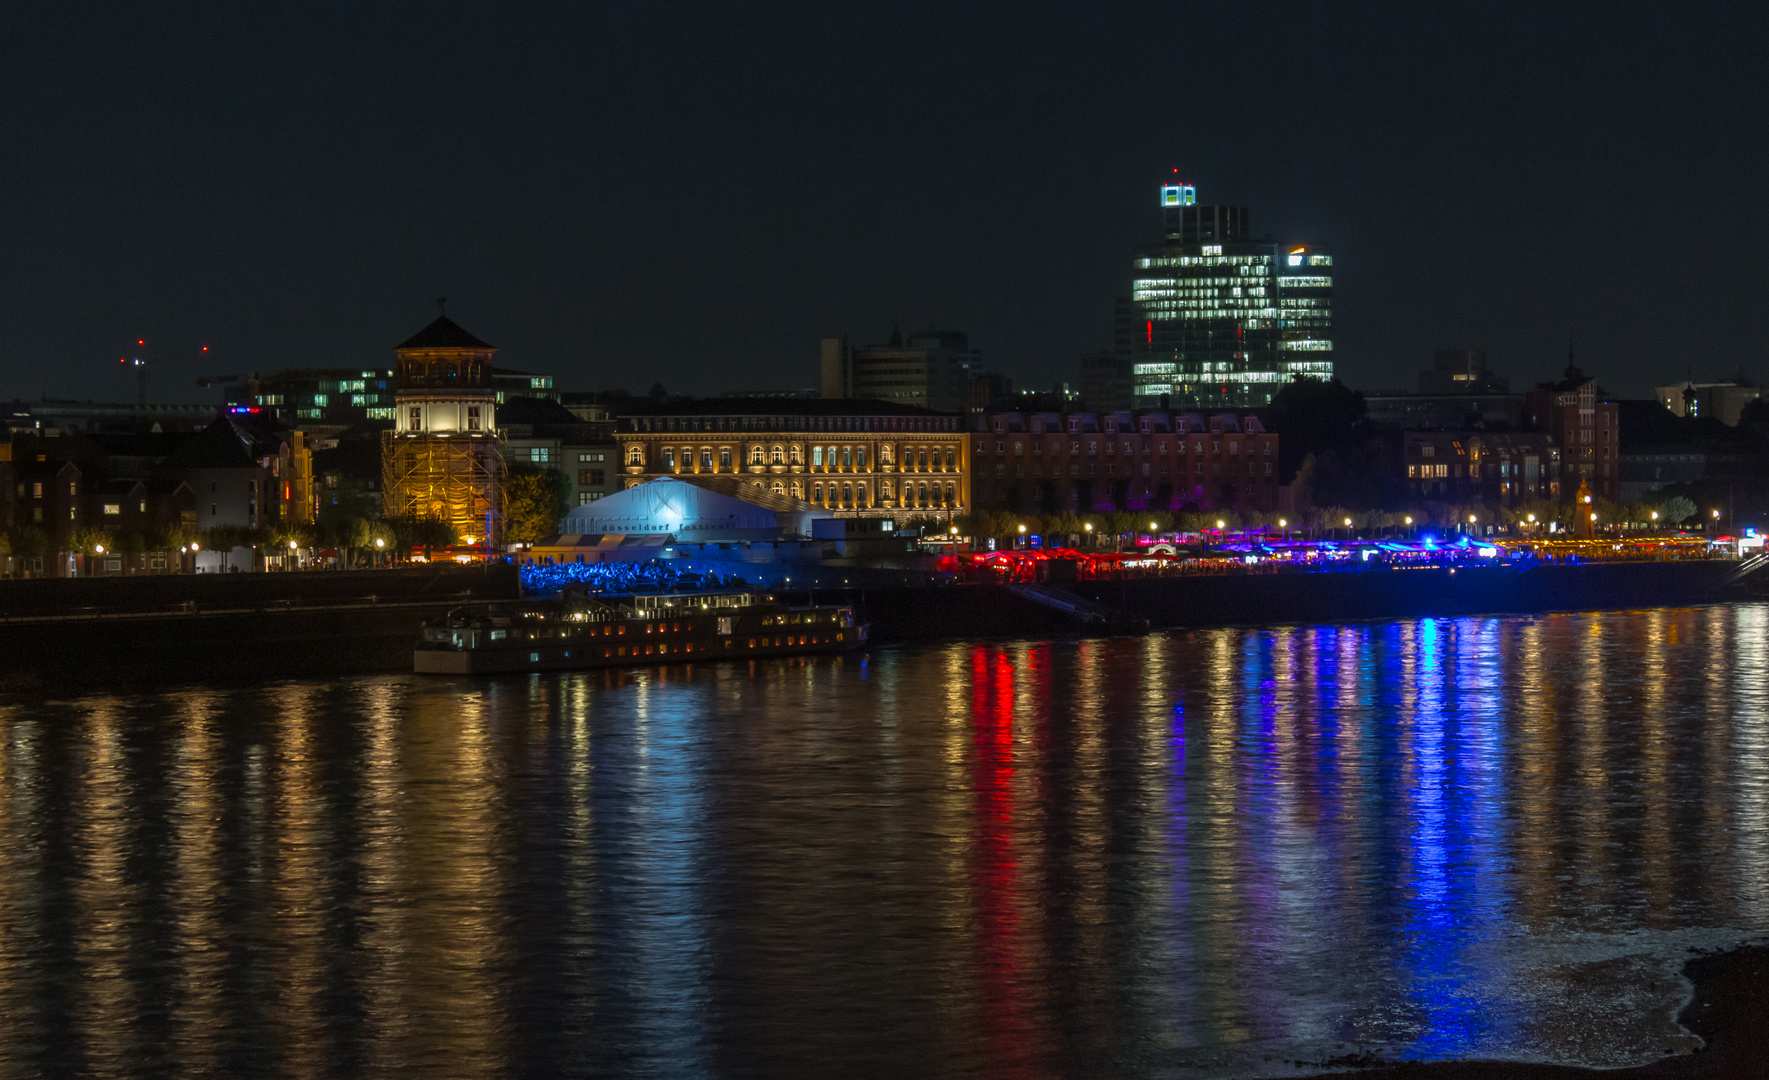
<point>1677,509</point>
<point>222,539</point>
<point>534,502</point>
<point>1312,416</point>
<point>432,533</point>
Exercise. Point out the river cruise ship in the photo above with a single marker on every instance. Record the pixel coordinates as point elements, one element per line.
<point>625,631</point>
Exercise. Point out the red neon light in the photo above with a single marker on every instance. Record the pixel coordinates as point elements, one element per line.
<point>1151,331</point>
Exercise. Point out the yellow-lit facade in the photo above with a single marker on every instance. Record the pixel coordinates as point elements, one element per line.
<point>444,459</point>
<point>866,461</point>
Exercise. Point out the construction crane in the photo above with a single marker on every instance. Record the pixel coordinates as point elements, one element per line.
<point>141,363</point>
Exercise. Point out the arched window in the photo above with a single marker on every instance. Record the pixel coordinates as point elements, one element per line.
<point>921,495</point>
<point>860,493</point>
<point>847,494</point>
<point>635,455</point>
<point>669,457</point>
<point>755,455</point>
<point>817,458</point>
<point>921,460</point>
<point>951,459</point>
<point>817,493</point>
<point>777,456</point>
<point>798,454</point>
<point>779,488</point>
<point>847,457</point>
<point>798,490</point>
<point>860,459</point>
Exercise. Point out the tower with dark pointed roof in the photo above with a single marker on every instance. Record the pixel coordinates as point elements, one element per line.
<point>444,457</point>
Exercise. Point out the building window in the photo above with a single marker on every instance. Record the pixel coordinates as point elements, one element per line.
<point>755,455</point>
<point>113,508</point>
<point>415,419</point>
<point>817,456</point>
<point>37,490</point>
<point>540,455</point>
<point>724,457</point>
<point>592,476</point>
<point>597,457</point>
<point>636,455</point>
<point>586,497</point>
<point>472,418</point>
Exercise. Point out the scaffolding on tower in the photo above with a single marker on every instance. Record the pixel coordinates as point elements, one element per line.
<point>455,478</point>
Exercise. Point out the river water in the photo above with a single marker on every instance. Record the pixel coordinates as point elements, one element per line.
<point>1210,853</point>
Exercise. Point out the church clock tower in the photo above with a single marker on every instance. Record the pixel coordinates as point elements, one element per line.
<point>444,457</point>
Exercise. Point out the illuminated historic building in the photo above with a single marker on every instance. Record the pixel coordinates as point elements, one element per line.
<point>1219,320</point>
<point>870,457</point>
<point>443,458</point>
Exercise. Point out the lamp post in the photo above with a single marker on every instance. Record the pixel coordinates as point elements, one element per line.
<point>1283,530</point>
<point>1348,530</point>
<point>1087,527</point>
<point>1022,536</point>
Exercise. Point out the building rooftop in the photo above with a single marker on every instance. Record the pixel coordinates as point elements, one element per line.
<point>782,406</point>
<point>444,333</point>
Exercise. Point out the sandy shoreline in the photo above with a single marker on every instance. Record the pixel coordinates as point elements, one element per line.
<point>1729,1011</point>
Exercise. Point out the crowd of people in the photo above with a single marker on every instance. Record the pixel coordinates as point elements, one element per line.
<point>621,577</point>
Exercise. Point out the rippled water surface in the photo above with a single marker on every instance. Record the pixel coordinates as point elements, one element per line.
<point>1205,853</point>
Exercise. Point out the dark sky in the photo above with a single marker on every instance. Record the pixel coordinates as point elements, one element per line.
<point>694,195</point>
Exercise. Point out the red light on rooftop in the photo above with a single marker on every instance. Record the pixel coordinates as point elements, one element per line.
<point>139,341</point>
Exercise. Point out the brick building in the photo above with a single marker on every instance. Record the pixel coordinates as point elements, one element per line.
<point>1500,468</point>
<point>1085,461</point>
<point>1586,424</point>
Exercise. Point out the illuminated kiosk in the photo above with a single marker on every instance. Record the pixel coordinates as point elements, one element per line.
<point>444,457</point>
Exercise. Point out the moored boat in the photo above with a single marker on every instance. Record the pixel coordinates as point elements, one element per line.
<point>630,630</point>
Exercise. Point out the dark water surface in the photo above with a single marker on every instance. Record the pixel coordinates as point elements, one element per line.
<point>1195,854</point>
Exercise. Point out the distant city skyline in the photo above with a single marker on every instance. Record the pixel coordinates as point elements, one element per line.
<point>698,196</point>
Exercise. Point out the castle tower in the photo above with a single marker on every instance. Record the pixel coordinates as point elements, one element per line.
<point>444,457</point>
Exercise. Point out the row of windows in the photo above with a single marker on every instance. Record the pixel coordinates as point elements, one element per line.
<point>1019,448</point>
<point>830,457</point>
<point>415,419</point>
<point>1197,469</point>
<point>806,423</point>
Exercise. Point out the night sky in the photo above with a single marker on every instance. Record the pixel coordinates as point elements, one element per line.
<point>695,195</point>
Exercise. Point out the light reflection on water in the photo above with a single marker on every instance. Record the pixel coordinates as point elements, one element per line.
<point>1207,853</point>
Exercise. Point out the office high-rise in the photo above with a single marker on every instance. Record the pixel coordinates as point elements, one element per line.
<point>1220,320</point>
